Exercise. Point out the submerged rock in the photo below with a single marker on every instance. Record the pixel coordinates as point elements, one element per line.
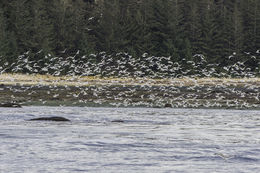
<point>50,119</point>
<point>10,105</point>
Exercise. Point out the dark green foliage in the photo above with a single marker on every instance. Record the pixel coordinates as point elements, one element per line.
<point>159,28</point>
<point>175,28</point>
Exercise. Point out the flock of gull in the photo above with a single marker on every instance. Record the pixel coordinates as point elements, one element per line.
<point>125,65</point>
<point>176,92</point>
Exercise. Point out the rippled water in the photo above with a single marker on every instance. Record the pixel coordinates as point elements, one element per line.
<point>149,140</point>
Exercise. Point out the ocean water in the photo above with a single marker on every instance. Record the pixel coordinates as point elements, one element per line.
<point>146,140</point>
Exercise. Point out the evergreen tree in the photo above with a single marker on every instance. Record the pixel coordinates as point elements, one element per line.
<point>237,29</point>
<point>205,42</point>
<point>2,32</point>
<point>191,23</point>
<point>257,25</point>
<point>249,23</point>
<point>43,31</point>
<point>135,33</point>
<point>221,45</point>
<point>160,28</point>
<point>104,31</point>
<point>8,41</point>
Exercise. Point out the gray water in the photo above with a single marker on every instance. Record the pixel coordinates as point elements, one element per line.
<point>149,140</point>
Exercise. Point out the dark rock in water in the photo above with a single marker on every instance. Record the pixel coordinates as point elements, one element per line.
<point>50,119</point>
<point>10,105</point>
<point>117,121</point>
<point>168,105</point>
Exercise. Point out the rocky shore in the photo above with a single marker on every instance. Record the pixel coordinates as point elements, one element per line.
<point>180,93</point>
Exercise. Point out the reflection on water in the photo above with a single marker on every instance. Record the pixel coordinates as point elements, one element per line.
<point>144,140</point>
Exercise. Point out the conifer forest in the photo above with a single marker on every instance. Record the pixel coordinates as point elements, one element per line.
<point>212,37</point>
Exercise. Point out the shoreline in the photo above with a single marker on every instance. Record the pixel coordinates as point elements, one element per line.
<point>130,92</point>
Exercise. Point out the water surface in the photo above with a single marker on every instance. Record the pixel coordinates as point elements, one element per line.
<point>148,140</point>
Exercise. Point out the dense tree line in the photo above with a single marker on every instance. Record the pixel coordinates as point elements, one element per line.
<point>176,28</point>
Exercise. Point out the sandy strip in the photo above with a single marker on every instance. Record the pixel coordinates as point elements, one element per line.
<point>36,79</point>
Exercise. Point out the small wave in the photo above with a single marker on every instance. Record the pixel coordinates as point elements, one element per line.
<point>245,159</point>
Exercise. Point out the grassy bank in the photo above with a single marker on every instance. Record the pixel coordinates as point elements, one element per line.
<point>112,91</point>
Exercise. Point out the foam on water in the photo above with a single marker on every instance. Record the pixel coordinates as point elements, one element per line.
<point>148,140</point>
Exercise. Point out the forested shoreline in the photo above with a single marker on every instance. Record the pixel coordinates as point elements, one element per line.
<point>224,32</point>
